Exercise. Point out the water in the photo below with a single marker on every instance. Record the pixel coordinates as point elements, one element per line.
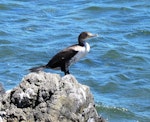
<point>118,67</point>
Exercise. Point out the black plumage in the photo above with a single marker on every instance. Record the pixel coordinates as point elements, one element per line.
<point>61,60</point>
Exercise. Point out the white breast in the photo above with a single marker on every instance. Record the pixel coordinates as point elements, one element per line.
<point>82,51</point>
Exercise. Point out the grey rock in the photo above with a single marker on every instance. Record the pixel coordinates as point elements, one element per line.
<point>45,97</point>
<point>2,90</point>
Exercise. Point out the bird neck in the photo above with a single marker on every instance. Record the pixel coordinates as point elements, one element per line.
<point>87,47</point>
<point>84,44</point>
<point>81,42</point>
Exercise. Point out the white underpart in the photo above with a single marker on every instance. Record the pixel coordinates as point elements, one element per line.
<point>82,51</point>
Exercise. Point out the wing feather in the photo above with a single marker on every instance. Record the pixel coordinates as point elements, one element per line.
<point>61,58</point>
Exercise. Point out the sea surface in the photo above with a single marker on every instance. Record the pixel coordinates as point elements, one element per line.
<point>117,69</point>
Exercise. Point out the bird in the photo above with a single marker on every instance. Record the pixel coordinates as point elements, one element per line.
<point>68,56</point>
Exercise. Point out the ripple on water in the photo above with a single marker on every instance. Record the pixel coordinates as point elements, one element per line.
<point>138,34</point>
<point>109,87</point>
<point>3,7</point>
<point>10,5</point>
<point>3,33</point>
<point>112,54</point>
<point>6,51</point>
<point>115,112</point>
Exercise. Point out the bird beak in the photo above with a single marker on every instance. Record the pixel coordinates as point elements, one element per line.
<point>92,35</point>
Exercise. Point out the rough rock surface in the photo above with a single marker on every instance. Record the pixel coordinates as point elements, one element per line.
<point>45,97</point>
<point>2,91</point>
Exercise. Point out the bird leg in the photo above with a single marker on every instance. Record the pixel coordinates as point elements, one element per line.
<point>67,72</point>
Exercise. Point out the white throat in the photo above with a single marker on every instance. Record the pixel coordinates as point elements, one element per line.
<point>87,47</point>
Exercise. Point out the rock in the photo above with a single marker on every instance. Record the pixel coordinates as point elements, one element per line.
<point>2,90</point>
<point>45,97</point>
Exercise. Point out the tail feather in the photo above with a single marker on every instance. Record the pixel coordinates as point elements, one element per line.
<point>37,69</point>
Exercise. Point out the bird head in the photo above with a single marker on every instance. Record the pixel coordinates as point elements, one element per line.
<point>85,35</point>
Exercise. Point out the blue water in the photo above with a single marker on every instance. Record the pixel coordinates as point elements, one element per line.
<point>117,69</point>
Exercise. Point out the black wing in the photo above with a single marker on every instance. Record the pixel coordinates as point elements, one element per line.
<point>61,58</point>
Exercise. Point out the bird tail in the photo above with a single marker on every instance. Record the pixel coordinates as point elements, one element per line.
<point>37,69</point>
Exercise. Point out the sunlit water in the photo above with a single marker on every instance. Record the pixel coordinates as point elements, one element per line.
<point>117,69</point>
